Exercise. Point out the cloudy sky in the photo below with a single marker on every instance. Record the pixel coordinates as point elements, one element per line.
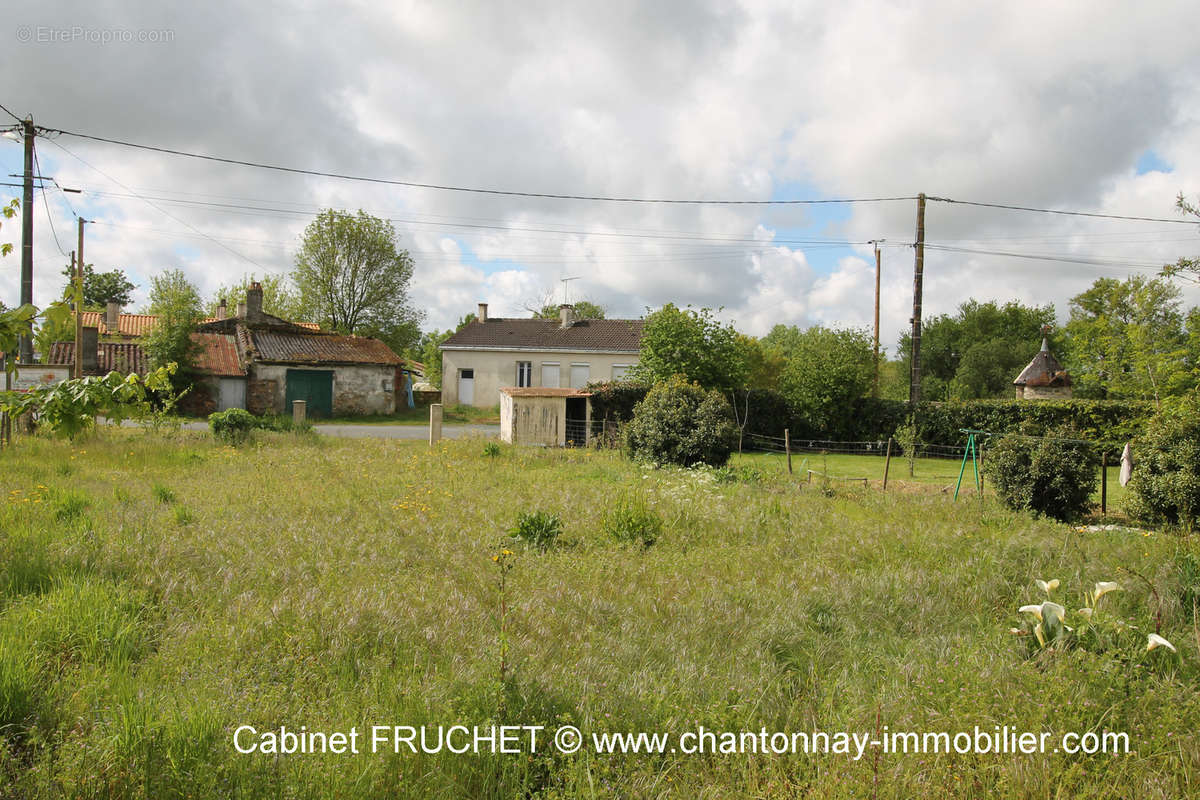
<point>1077,106</point>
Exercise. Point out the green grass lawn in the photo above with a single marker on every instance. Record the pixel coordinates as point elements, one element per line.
<point>451,415</point>
<point>158,593</point>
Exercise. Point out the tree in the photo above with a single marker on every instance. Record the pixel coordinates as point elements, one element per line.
<point>428,350</point>
<point>280,298</point>
<point>693,344</point>
<point>176,302</point>
<point>1127,340</point>
<point>978,351</point>
<point>681,423</point>
<point>1188,268</point>
<point>353,279</point>
<point>101,288</point>
<point>827,371</point>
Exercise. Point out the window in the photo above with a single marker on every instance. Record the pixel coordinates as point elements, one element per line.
<point>550,374</point>
<point>524,373</point>
<point>580,374</point>
<point>620,371</point>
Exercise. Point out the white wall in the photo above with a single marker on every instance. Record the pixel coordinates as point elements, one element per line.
<point>496,368</point>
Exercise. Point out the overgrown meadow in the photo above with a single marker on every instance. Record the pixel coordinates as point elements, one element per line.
<point>157,592</point>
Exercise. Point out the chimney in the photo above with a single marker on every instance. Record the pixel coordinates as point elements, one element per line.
<point>89,346</point>
<point>241,310</point>
<point>566,313</point>
<point>254,297</point>
<point>222,310</point>
<point>482,315</point>
<point>112,318</point>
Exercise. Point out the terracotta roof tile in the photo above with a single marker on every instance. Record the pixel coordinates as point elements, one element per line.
<point>218,354</point>
<point>620,335</point>
<point>122,357</point>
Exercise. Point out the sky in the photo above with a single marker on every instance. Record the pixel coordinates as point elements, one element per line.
<point>1070,106</point>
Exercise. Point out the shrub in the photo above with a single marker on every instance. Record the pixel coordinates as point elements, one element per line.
<point>615,400</point>
<point>681,423</point>
<point>632,521</point>
<point>1053,475</point>
<point>491,449</point>
<point>232,426</point>
<point>1166,474</point>
<point>539,529</point>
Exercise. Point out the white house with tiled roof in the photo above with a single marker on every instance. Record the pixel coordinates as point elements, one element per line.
<point>492,353</point>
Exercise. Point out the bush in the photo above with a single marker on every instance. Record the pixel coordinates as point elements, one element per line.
<point>539,529</point>
<point>632,521</point>
<point>1166,473</point>
<point>1049,475</point>
<point>614,401</point>
<point>232,426</point>
<point>681,423</point>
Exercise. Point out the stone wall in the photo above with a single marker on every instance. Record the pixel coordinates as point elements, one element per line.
<point>357,389</point>
<point>202,399</point>
<point>1043,392</point>
<point>263,396</point>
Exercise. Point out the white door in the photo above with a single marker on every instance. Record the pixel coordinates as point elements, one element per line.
<point>232,394</point>
<point>580,373</point>
<point>466,387</point>
<point>550,375</point>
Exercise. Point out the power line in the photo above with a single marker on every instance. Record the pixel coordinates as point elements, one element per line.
<point>11,114</point>
<point>160,209</point>
<point>49,217</point>
<point>473,190</point>
<point>1094,262</point>
<point>1062,212</point>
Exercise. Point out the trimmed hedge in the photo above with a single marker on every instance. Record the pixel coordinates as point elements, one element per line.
<point>615,401</point>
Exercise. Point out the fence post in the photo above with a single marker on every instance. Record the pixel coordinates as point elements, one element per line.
<point>1104,483</point>
<point>435,423</point>
<point>887,463</point>
<point>787,448</point>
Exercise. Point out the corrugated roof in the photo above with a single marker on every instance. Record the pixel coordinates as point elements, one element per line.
<point>218,354</point>
<point>619,335</point>
<point>296,348</point>
<point>122,357</point>
<point>139,325</point>
<point>542,391</point>
<point>1043,370</point>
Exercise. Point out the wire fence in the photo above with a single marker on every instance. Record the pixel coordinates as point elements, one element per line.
<point>756,442</point>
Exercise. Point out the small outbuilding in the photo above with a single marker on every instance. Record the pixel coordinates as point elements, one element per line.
<point>1044,378</point>
<point>546,416</point>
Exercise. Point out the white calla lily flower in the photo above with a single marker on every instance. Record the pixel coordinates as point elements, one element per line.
<point>1154,641</point>
<point>1047,586</point>
<point>1103,588</point>
<point>1035,610</point>
<point>1086,613</point>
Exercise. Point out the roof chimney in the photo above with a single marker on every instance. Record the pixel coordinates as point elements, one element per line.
<point>254,298</point>
<point>566,314</point>
<point>89,348</point>
<point>222,310</point>
<point>482,315</point>
<point>241,310</point>
<point>112,318</point>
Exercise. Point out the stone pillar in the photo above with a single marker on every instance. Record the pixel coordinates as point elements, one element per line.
<point>299,411</point>
<point>435,423</point>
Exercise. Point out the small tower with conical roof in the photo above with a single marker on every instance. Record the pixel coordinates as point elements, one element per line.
<point>1044,378</point>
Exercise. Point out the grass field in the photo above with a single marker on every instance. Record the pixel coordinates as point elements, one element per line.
<point>158,593</point>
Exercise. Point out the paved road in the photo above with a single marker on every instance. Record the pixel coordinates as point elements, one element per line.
<point>376,431</point>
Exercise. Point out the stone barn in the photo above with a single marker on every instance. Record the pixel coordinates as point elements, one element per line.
<point>546,416</point>
<point>1044,378</point>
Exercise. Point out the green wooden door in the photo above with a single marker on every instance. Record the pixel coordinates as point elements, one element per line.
<point>314,387</point>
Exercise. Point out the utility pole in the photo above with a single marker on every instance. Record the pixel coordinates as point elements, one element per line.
<point>875,390</point>
<point>914,388</point>
<point>78,372</point>
<point>26,346</point>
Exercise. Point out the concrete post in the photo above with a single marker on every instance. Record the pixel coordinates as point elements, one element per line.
<point>435,423</point>
<point>299,411</point>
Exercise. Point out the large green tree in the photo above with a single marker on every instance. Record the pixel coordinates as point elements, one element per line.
<point>694,344</point>
<point>977,351</point>
<point>1127,340</point>
<point>584,309</point>
<point>353,278</point>
<point>826,371</point>
<point>176,302</point>
<point>102,288</point>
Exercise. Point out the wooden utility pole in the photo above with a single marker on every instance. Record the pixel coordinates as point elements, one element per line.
<point>26,345</point>
<point>875,389</point>
<point>78,371</point>
<point>914,388</point>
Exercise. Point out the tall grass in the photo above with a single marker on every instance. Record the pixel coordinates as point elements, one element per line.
<point>348,583</point>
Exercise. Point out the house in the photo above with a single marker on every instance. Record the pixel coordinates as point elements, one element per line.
<point>283,362</point>
<point>563,353</point>
<point>114,324</point>
<point>552,417</point>
<point>1044,378</point>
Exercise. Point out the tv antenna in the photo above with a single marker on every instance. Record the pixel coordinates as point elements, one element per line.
<point>565,298</point>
